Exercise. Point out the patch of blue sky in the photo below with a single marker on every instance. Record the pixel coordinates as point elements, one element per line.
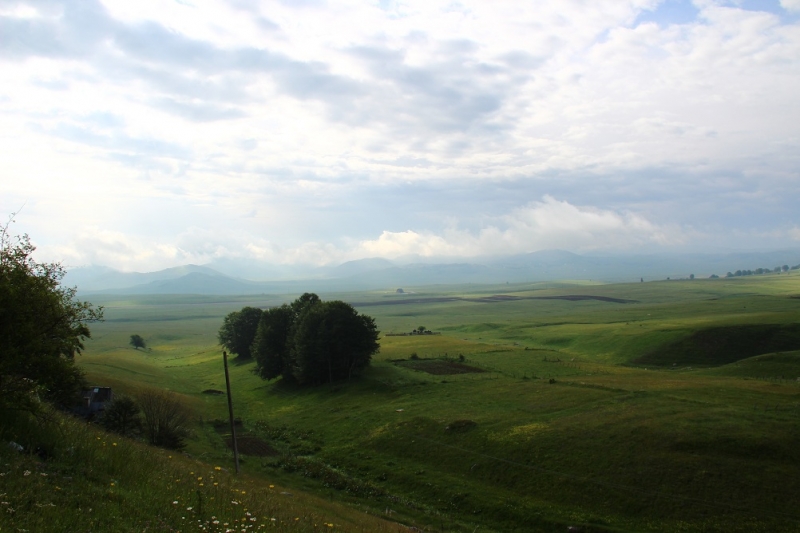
<point>670,12</point>
<point>768,6</point>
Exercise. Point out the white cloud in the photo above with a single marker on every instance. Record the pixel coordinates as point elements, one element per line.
<point>267,128</point>
<point>791,5</point>
<point>549,224</point>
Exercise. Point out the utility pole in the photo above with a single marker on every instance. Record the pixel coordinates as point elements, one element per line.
<point>230,411</point>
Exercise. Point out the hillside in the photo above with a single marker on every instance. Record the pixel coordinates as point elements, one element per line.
<point>528,411</point>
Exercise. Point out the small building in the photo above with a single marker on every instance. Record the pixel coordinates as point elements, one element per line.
<point>95,399</point>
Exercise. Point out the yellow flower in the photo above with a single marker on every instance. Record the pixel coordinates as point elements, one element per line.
<point>217,468</point>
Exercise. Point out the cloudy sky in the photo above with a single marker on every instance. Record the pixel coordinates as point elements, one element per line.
<point>154,133</point>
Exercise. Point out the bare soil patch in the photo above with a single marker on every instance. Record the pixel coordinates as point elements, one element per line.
<point>460,426</point>
<point>252,445</point>
<point>224,426</point>
<point>439,367</point>
<point>213,392</point>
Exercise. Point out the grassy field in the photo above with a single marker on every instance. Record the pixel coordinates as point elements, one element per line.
<point>661,406</point>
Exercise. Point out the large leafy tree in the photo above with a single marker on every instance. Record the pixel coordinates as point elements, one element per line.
<point>239,330</point>
<point>332,341</point>
<point>313,342</point>
<point>42,327</point>
<point>271,345</point>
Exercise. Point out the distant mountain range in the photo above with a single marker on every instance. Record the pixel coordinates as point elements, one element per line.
<point>226,277</point>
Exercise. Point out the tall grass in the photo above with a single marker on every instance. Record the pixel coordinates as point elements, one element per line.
<point>71,476</point>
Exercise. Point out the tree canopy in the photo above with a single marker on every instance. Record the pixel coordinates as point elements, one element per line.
<point>42,327</point>
<point>313,342</point>
<point>239,330</point>
<point>137,342</point>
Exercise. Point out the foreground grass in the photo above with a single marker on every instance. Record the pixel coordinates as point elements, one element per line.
<point>73,477</point>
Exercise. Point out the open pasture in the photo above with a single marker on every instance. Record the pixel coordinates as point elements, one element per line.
<point>563,426</point>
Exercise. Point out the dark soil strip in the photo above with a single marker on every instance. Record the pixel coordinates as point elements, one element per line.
<point>250,445</point>
<point>442,368</point>
<point>497,298</point>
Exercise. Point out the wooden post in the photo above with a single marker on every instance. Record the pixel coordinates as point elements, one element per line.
<point>230,411</point>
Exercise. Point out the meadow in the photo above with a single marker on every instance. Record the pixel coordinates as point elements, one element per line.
<point>659,406</point>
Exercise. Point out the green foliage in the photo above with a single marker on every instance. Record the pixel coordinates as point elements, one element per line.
<point>331,341</point>
<point>166,419</point>
<point>313,342</point>
<point>122,416</point>
<point>42,327</point>
<point>270,346</point>
<point>239,330</point>
<point>137,342</point>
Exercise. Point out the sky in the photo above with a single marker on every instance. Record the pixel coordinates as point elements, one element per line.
<point>149,134</point>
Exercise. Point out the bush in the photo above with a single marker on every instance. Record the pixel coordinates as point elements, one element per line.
<point>165,419</point>
<point>123,416</point>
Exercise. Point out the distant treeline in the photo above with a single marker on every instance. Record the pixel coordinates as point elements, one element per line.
<point>776,270</point>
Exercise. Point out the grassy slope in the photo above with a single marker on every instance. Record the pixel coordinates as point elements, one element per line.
<point>608,445</point>
<point>83,479</point>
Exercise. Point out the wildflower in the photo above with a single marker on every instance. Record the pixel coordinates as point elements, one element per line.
<point>200,485</point>
<point>26,473</point>
<point>200,478</point>
<point>234,502</point>
<point>43,474</point>
<point>215,483</point>
<point>175,502</point>
<point>272,486</point>
<point>113,443</point>
<point>112,483</point>
<point>217,468</point>
<point>188,508</point>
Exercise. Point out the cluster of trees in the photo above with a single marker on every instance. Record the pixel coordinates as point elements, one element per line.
<point>776,270</point>
<point>308,341</point>
<point>42,327</point>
